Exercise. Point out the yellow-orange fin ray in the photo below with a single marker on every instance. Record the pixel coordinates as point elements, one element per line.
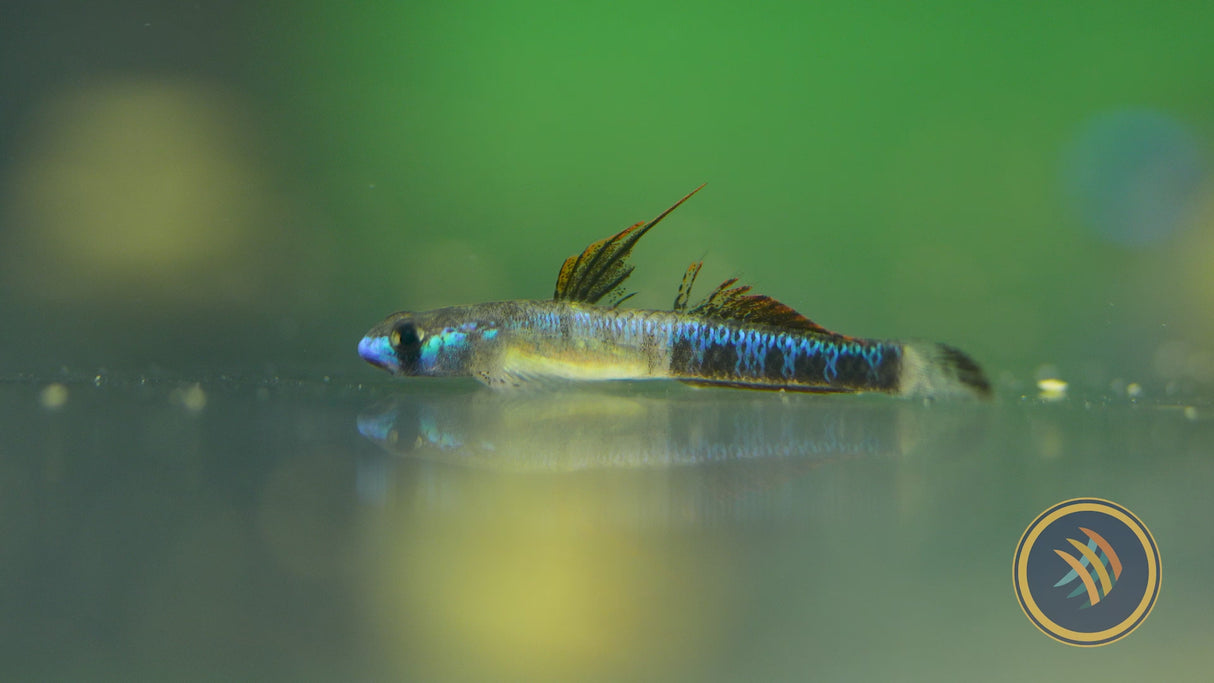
<point>1093,594</point>
<point>603,266</point>
<point>1107,549</point>
<point>1105,583</point>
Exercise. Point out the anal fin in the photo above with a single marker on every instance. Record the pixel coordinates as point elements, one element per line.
<point>705,384</point>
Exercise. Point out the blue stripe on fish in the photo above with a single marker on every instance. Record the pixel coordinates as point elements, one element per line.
<point>443,345</point>
<point>735,353</point>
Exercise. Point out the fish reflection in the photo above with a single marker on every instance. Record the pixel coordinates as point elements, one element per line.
<point>539,534</point>
<point>691,454</point>
<point>571,431</point>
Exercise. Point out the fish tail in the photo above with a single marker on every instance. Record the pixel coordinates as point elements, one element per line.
<point>936,370</point>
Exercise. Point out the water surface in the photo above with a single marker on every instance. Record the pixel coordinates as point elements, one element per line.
<point>300,530</point>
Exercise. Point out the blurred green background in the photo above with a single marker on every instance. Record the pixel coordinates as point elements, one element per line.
<point>209,203</point>
<point>250,186</point>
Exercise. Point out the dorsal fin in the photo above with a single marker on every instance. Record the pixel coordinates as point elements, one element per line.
<point>689,280</point>
<point>731,301</point>
<point>603,266</point>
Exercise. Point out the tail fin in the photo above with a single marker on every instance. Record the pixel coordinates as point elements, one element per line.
<point>936,370</point>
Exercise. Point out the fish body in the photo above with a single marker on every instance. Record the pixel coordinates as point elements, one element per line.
<point>731,338</point>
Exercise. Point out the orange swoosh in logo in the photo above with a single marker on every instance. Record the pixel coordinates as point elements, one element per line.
<point>1094,555</point>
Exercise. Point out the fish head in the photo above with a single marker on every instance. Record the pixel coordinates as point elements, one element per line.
<point>438,343</point>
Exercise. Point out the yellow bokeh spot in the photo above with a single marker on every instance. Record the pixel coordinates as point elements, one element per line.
<point>542,588</point>
<point>53,396</point>
<point>129,186</point>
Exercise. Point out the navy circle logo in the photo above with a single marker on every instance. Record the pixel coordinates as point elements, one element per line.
<point>1087,572</point>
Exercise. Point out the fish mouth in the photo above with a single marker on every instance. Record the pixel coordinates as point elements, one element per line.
<point>378,352</point>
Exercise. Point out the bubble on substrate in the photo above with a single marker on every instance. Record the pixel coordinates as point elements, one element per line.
<point>1051,389</point>
<point>1135,175</point>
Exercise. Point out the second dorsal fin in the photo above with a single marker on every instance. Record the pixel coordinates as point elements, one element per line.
<point>732,301</point>
<point>689,279</point>
<point>603,266</point>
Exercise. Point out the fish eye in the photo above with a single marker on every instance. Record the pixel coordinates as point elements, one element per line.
<point>405,334</point>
